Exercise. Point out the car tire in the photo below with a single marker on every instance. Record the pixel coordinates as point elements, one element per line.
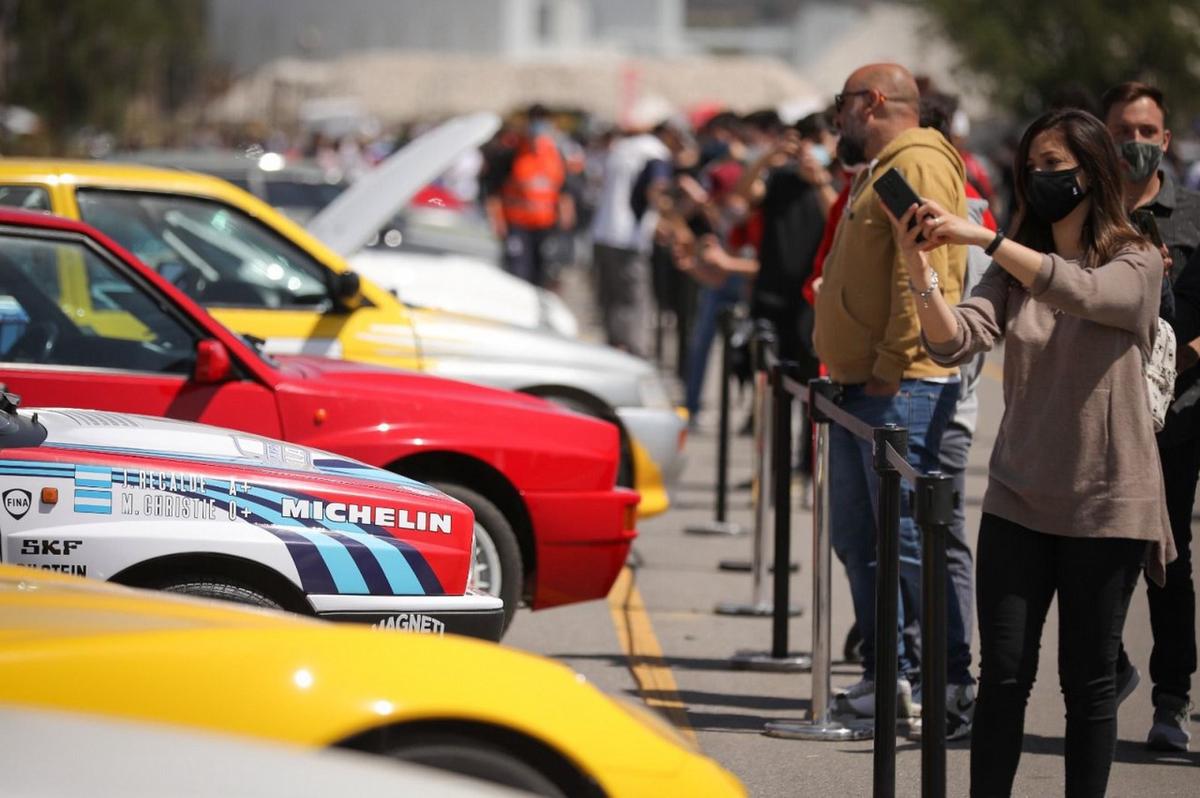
<point>217,588</point>
<point>477,759</point>
<point>497,550</point>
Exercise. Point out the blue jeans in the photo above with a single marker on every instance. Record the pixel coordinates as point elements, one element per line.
<point>926,409</point>
<point>712,300</point>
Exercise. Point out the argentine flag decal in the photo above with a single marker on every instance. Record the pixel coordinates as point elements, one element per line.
<point>93,490</point>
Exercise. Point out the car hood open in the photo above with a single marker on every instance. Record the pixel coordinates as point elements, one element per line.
<point>358,213</point>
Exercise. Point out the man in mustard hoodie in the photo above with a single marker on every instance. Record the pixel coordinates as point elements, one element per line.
<point>867,334</point>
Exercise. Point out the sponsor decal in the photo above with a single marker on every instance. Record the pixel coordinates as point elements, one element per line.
<point>411,622</point>
<point>66,568</point>
<point>17,502</point>
<point>35,547</point>
<point>341,512</point>
<point>53,547</point>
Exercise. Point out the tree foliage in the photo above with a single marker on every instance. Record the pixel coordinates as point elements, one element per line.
<point>85,63</point>
<point>1030,53</point>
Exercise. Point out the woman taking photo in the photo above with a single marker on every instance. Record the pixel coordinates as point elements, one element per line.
<point>1074,504</point>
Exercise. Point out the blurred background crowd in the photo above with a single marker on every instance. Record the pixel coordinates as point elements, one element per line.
<point>694,134</point>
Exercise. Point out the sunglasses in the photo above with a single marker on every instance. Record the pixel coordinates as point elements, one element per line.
<point>839,100</point>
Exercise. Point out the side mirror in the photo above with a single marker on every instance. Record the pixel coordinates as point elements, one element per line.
<point>212,362</point>
<point>347,289</point>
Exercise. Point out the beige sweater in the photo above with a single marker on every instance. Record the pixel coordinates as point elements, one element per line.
<point>1075,454</point>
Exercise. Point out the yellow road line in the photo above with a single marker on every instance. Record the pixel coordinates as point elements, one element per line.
<point>654,679</point>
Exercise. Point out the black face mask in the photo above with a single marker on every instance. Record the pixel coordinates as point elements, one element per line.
<point>1053,195</point>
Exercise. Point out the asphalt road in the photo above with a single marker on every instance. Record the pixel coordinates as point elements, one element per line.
<point>657,639</point>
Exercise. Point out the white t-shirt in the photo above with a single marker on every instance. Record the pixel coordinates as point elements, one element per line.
<point>614,223</point>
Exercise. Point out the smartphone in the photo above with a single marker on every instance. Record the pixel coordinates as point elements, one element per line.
<point>1147,225</point>
<point>897,195</point>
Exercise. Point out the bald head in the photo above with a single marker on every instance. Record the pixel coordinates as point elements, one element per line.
<point>878,103</point>
<point>894,82</point>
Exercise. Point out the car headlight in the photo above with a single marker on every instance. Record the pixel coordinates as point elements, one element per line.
<point>653,393</point>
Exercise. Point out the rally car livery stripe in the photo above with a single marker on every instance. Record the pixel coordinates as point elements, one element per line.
<point>349,468</point>
<point>338,468</point>
<point>314,576</point>
<point>369,567</point>
<point>330,557</point>
<point>407,574</point>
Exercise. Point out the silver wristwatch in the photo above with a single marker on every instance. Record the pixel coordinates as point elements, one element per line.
<point>924,295</point>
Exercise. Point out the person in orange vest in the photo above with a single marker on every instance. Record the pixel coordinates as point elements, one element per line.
<point>526,204</point>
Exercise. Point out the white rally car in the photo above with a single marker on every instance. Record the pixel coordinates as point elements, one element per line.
<point>186,507</point>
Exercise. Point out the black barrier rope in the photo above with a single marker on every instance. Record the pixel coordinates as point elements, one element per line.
<point>901,464</point>
<point>933,504</point>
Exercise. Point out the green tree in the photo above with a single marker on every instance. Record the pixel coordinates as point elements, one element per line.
<point>87,63</point>
<point>1030,52</point>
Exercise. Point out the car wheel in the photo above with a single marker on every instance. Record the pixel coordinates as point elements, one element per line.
<point>476,759</point>
<point>217,588</point>
<point>498,568</point>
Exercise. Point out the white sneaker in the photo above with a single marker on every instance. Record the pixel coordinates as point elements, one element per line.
<point>858,700</point>
<point>960,712</point>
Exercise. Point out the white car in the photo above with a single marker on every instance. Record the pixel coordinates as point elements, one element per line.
<point>173,505</point>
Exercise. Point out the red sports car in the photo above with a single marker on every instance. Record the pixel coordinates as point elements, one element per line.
<point>83,323</point>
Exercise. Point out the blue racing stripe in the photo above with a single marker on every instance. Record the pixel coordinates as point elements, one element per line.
<point>310,565</point>
<point>93,494</point>
<point>401,577</point>
<point>92,483</point>
<point>368,565</point>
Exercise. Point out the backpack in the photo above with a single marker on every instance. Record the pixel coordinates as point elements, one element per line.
<point>1159,371</point>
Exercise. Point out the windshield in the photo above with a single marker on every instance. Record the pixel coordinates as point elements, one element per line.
<point>214,253</point>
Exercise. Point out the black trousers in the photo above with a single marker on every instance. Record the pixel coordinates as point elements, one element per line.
<point>1173,606</point>
<point>1018,572</point>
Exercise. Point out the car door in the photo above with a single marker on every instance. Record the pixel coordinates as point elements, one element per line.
<point>250,276</point>
<point>79,329</point>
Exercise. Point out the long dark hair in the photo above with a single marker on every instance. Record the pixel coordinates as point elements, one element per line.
<point>1107,229</point>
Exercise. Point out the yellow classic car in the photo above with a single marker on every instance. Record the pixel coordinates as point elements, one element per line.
<point>456,704</point>
<point>264,276</point>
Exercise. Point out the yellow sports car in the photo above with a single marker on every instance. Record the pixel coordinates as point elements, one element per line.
<point>262,275</point>
<point>457,704</point>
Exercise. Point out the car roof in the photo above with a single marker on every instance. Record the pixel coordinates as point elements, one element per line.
<point>45,219</point>
<point>112,175</point>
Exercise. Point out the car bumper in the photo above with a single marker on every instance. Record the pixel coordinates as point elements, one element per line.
<point>582,541</point>
<point>473,615</point>
<point>657,438</point>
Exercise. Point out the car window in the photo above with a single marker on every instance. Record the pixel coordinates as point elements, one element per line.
<point>299,199</point>
<point>30,198</point>
<point>62,304</point>
<point>213,252</point>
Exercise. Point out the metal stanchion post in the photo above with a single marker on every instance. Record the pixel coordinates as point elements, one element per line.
<point>887,590</point>
<point>719,525</point>
<point>763,423</point>
<point>933,510</point>
<point>781,464</point>
<point>820,725</point>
